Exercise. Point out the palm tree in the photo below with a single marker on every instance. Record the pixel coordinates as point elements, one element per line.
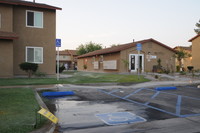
<point>180,55</point>
<point>198,28</point>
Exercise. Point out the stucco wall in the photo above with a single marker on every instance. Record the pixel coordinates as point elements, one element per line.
<point>89,62</point>
<point>6,13</point>
<point>151,48</point>
<point>35,37</point>
<point>195,53</point>
<point>6,58</point>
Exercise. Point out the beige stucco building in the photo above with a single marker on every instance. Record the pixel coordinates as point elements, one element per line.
<point>27,34</point>
<point>125,58</point>
<point>186,61</point>
<point>195,51</point>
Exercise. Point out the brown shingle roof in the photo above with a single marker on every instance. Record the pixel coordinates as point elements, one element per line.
<point>8,35</point>
<point>73,52</point>
<point>184,47</point>
<point>68,52</point>
<point>193,38</point>
<point>30,4</point>
<point>122,47</point>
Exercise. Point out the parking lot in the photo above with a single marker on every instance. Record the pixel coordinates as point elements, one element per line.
<point>126,109</point>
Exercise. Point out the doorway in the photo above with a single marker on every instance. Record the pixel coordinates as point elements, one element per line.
<point>136,62</point>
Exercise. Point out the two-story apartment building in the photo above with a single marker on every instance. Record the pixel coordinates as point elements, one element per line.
<point>27,34</point>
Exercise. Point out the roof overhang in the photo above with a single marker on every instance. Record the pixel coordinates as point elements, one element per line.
<point>8,35</point>
<point>29,4</point>
<point>123,47</point>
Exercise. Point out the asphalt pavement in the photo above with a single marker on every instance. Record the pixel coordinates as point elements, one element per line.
<point>163,112</point>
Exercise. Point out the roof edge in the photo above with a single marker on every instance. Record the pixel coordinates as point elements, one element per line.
<point>9,38</point>
<point>8,35</point>
<point>127,46</point>
<point>31,4</point>
<point>194,38</point>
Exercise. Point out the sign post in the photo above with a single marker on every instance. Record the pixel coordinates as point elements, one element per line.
<point>139,48</point>
<point>58,44</point>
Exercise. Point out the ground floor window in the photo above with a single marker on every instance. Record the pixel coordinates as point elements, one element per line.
<point>34,55</point>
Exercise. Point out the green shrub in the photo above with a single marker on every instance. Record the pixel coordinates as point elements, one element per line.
<point>84,66</point>
<point>30,68</point>
<point>156,77</point>
<point>178,68</point>
<point>182,73</point>
<point>190,68</point>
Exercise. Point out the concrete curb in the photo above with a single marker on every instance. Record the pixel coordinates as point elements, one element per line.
<point>49,127</point>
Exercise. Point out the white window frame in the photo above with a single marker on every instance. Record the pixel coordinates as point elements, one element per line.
<point>26,57</point>
<point>33,22</point>
<point>0,20</point>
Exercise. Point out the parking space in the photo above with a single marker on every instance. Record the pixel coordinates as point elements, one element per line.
<point>101,109</point>
<point>183,102</point>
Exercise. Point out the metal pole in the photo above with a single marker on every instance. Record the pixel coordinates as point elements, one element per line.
<point>58,63</point>
<point>138,64</point>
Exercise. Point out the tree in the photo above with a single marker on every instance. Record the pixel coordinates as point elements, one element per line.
<point>180,55</point>
<point>30,68</point>
<point>114,45</point>
<point>88,47</point>
<point>198,28</point>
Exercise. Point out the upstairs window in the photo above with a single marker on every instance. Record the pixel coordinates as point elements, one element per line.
<point>0,20</point>
<point>34,19</point>
<point>34,55</point>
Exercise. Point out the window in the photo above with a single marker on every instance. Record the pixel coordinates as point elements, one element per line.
<point>34,19</point>
<point>0,20</point>
<point>93,59</point>
<point>101,59</point>
<point>34,55</point>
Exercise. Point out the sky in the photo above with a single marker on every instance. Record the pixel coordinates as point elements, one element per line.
<point>107,22</point>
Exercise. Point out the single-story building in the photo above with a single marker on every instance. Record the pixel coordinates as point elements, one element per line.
<point>195,51</point>
<point>126,58</point>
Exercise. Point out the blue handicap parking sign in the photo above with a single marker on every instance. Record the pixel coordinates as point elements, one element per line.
<point>58,42</point>
<point>120,118</point>
<point>139,46</point>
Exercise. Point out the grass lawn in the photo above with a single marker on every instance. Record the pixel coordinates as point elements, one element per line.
<point>18,108</point>
<point>77,78</point>
<point>89,77</point>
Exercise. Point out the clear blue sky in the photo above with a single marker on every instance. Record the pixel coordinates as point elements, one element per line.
<point>108,22</point>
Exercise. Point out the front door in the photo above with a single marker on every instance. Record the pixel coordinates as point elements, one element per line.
<point>136,62</point>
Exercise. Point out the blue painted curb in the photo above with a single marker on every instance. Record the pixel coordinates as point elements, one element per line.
<point>60,93</point>
<point>166,88</point>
